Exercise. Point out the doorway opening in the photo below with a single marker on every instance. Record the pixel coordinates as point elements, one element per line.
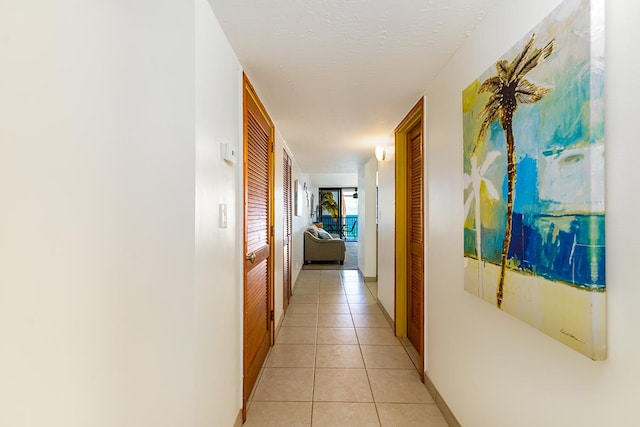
<point>338,211</point>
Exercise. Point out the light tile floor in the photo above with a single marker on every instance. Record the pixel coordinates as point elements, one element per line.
<point>336,362</point>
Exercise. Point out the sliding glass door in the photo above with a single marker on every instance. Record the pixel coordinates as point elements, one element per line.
<point>338,211</point>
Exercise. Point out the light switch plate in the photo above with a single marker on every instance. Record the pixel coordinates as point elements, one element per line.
<point>222,210</point>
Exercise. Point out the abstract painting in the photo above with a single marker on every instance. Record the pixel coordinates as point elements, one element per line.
<point>534,229</point>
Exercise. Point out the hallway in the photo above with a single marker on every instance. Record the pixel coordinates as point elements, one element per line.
<point>336,362</point>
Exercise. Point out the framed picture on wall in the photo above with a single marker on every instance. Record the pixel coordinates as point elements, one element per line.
<point>312,207</point>
<point>297,198</point>
<point>534,230</point>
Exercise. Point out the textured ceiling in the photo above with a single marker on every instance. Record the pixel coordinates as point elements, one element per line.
<point>337,76</point>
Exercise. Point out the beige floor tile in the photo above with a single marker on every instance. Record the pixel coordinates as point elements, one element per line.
<point>255,386</point>
<point>285,385</point>
<point>377,336</point>
<point>331,290</point>
<point>330,320</point>
<point>365,309</point>
<point>278,414</point>
<point>354,277</point>
<point>333,299</point>
<point>385,356</point>
<point>306,286</point>
<point>413,354</point>
<point>370,320</point>
<point>341,385</point>
<point>303,299</point>
<point>307,279</point>
<point>306,282</point>
<point>337,336</point>
<point>364,298</point>
<point>352,281</point>
<point>339,356</point>
<point>355,287</point>
<point>350,274</point>
<point>330,276</point>
<point>296,335</point>
<point>302,308</point>
<point>300,319</point>
<point>307,291</point>
<point>398,386</point>
<point>405,341</point>
<point>291,356</point>
<point>333,414</point>
<point>308,275</point>
<point>330,281</point>
<point>410,415</point>
<point>334,308</point>
<point>364,293</point>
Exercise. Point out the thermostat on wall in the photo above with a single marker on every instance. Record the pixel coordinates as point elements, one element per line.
<point>229,153</point>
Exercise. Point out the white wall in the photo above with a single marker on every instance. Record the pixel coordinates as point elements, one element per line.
<point>386,232</point>
<point>492,369</point>
<point>298,225</point>
<point>219,287</point>
<point>97,178</point>
<point>367,229</point>
<point>334,179</point>
<point>218,284</point>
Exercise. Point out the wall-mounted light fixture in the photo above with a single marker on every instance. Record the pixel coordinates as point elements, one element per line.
<point>381,153</point>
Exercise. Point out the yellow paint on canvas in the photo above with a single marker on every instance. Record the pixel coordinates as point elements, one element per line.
<point>572,315</point>
<point>469,96</point>
<point>489,210</point>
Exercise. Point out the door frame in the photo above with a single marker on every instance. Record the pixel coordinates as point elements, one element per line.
<point>415,115</point>
<point>287,227</point>
<point>249,91</point>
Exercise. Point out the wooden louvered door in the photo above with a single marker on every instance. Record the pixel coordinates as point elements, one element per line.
<point>288,203</point>
<point>258,304</point>
<point>415,251</point>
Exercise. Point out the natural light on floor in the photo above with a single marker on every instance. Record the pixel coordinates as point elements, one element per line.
<point>336,362</point>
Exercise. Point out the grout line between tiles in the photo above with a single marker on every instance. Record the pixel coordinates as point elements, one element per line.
<point>329,279</point>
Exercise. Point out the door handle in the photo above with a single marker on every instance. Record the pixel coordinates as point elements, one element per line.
<point>251,257</point>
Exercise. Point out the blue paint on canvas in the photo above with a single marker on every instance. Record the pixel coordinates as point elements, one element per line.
<point>538,141</point>
<point>558,222</point>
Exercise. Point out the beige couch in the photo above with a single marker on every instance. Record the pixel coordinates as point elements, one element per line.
<point>321,246</point>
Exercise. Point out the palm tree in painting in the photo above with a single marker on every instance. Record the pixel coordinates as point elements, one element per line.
<point>508,89</point>
<point>475,179</point>
<point>329,204</point>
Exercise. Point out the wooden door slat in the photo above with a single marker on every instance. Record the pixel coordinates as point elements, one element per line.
<point>257,335</point>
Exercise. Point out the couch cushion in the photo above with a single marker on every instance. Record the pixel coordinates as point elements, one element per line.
<point>313,230</point>
<point>323,234</point>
